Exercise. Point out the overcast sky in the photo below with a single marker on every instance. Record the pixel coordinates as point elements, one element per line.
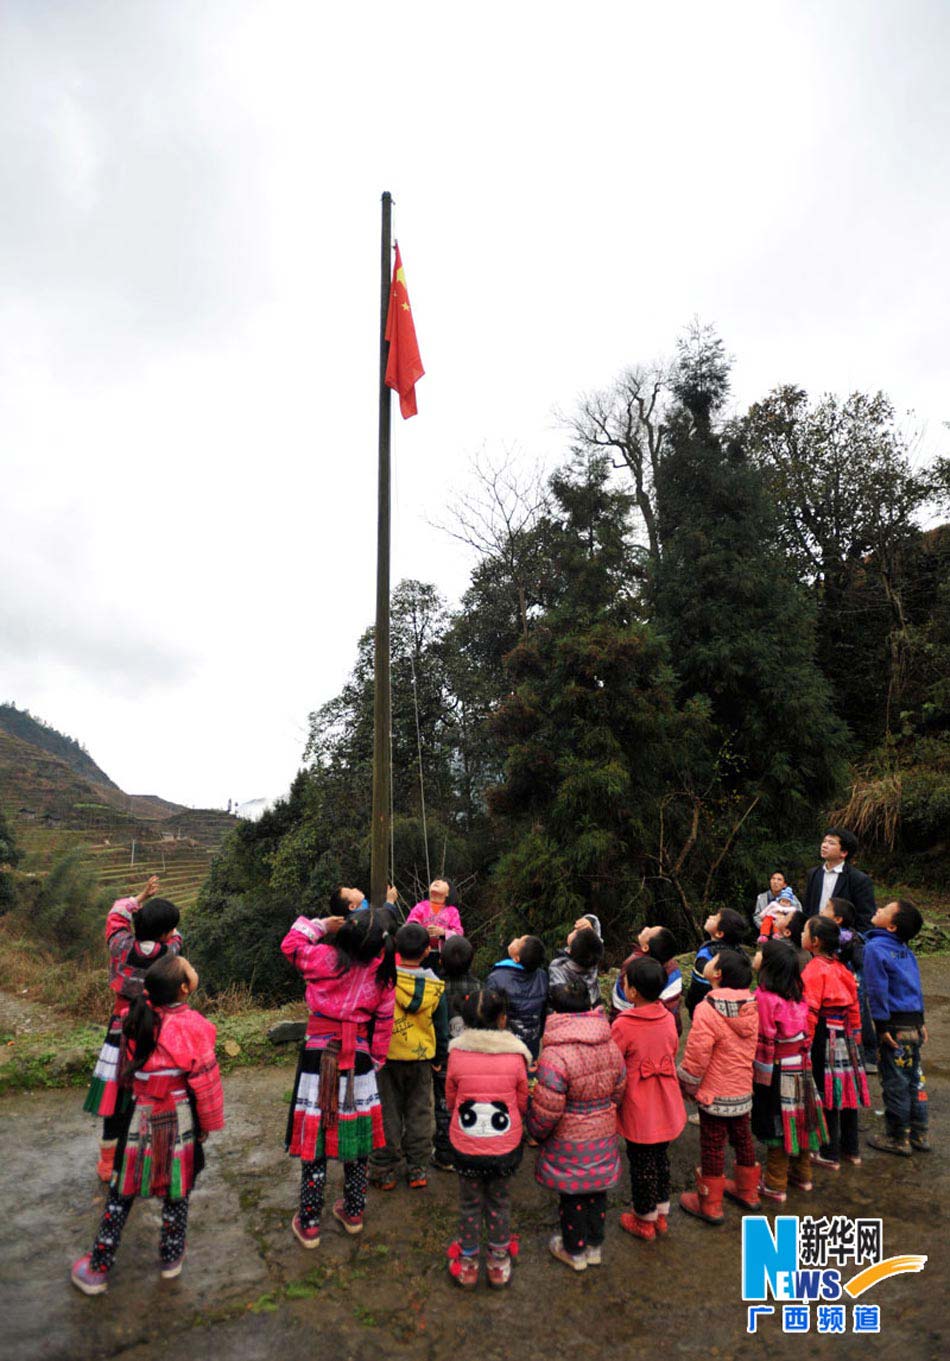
<point>189,269</point>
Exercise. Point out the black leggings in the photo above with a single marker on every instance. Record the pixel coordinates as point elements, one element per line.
<point>649,1178</point>
<point>583,1221</point>
<point>114,1126</point>
<point>842,1135</point>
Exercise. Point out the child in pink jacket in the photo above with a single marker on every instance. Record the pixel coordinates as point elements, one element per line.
<point>716,1072</point>
<point>437,915</point>
<point>335,1110</point>
<point>786,1112</point>
<point>573,1116</point>
<point>486,1091</point>
<point>652,1113</point>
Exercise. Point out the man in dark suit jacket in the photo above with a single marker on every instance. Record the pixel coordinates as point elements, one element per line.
<point>836,877</point>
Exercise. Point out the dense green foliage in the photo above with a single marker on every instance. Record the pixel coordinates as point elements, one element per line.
<point>652,690</point>
<point>65,910</point>
<point>10,857</point>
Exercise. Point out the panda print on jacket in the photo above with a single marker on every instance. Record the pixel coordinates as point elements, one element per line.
<point>484,1119</point>
<point>486,1091</point>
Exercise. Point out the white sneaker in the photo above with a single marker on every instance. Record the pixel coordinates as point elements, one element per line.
<point>557,1249</point>
<point>594,1257</point>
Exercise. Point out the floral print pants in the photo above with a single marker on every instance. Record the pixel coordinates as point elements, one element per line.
<point>109,1235</point>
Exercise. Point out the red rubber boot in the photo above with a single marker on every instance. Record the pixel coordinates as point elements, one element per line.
<point>744,1190</point>
<point>706,1201</point>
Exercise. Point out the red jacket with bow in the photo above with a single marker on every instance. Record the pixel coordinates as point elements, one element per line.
<point>652,1110</point>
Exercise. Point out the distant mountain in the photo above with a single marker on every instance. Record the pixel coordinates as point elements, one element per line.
<point>22,724</point>
<point>50,781</point>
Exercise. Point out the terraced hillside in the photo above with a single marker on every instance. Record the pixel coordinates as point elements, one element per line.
<point>182,866</point>
<point>53,809</point>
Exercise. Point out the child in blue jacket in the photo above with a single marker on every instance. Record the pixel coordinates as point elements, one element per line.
<point>726,929</point>
<point>524,981</point>
<point>895,995</point>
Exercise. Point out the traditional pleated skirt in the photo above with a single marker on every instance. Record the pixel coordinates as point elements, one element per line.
<point>787,1112</point>
<point>838,1066</point>
<point>105,1096</point>
<point>159,1154</point>
<point>358,1125</point>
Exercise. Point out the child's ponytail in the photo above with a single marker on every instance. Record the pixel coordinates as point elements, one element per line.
<point>161,987</point>
<point>140,1029</point>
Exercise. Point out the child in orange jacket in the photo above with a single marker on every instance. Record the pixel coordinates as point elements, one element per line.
<point>716,1072</point>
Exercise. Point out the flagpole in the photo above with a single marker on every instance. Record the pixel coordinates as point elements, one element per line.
<point>382,706</point>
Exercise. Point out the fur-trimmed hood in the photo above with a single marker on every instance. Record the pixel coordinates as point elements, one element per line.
<point>491,1042</point>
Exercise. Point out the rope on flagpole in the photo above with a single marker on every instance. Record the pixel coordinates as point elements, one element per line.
<point>422,787</point>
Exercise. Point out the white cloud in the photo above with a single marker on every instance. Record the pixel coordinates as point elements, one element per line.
<point>189,260</point>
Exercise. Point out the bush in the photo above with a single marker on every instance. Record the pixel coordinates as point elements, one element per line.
<point>235,939</point>
<point>70,909</point>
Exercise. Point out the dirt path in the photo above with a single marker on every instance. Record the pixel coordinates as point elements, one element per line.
<point>250,1291</point>
<point>20,1016</point>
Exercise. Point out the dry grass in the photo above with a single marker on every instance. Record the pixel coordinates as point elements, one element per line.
<point>236,1000</point>
<point>873,812</point>
<point>76,987</point>
<point>79,988</point>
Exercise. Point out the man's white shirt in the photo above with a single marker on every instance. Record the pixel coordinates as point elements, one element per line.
<point>829,888</point>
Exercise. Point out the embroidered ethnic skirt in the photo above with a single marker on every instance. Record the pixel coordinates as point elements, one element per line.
<point>358,1124</point>
<point>838,1066</point>
<point>787,1112</point>
<point>159,1155</point>
<point>105,1096</point>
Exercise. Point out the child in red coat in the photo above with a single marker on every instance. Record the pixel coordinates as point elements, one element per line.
<point>486,1091</point>
<point>652,1113</point>
<point>139,931</point>
<point>178,1102</point>
<point>834,1027</point>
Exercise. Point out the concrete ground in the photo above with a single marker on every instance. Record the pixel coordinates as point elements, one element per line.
<point>249,1290</point>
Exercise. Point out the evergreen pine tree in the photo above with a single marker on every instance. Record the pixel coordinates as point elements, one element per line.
<point>589,728</point>
<point>740,627</point>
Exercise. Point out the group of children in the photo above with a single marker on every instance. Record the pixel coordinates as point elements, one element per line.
<point>409,1061</point>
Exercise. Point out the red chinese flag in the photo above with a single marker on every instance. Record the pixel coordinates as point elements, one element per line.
<point>403,367</point>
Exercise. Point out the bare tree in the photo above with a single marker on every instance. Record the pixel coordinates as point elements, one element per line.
<point>626,420</point>
<point>711,826</point>
<point>499,517</point>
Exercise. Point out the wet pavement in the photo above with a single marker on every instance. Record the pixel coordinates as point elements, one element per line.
<point>249,1290</point>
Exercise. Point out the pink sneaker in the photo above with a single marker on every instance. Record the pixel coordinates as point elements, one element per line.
<point>463,1269</point>
<point>351,1223</point>
<point>821,1161</point>
<point>88,1281</point>
<point>779,1197</point>
<point>499,1269</point>
<point>310,1238</point>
